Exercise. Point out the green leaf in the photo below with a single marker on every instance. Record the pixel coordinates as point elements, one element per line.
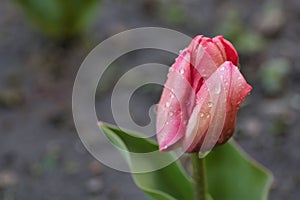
<point>233,175</point>
<point>167,183</point>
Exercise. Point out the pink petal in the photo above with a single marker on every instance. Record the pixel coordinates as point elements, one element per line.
<point>205,58</point>
<point>207,55</point>
<point>230,51</point>
<point>213,118</point>
<point>175,104</point>
<point>238,91</point>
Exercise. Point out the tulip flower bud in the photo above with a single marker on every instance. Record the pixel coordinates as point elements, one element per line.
<point>201,97</point>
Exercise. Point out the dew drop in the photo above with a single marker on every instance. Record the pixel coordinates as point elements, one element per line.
<point>171,114</point>
<point>165,147</point>
<point>208,115</point>
<point>171,95</point>
<point>217,90</point>
<point>201,114</point>
<point>181,71</point>
<point>203,73</point>
<point>209,104</point>
<point>168,104</point>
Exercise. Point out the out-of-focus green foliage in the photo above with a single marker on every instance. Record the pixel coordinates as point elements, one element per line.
<point>245,39</point>
<point>174,14</point>
<point>273,75</point>
<point>9,196</point>
<point>280,126</point>
<point>59,18</point>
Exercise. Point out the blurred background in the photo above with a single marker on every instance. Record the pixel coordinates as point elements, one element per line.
<point>43,42</point>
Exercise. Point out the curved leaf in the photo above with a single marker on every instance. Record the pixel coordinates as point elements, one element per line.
<point>168,183</point>
<point>232,175</point>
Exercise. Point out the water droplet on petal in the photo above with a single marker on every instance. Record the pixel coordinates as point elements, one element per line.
<point>171,114</point>
<point>217,90</point>
<point>208,115</point>
<point>165,147</point>
<point>171,95</point>
<point>209,104</point>
<point>168,104</point>
<point>203,73</point>
<point>201,114</point>
<point>181,71</point>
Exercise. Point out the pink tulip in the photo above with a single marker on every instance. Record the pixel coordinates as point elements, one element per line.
<point>202,95</point>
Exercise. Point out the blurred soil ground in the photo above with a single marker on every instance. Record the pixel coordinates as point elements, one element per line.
<point>41,155</point>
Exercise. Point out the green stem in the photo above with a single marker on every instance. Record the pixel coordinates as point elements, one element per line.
<point>199,178</point>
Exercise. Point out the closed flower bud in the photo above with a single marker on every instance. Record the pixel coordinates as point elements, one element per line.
<point>201,97</point>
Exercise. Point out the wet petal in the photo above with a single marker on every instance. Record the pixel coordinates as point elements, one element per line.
<point>237,92</point>
<point>201,97</point>
<point>205,57</point>
<point>230,52</point>
<point>213,119</point>
<point>175,104</point>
